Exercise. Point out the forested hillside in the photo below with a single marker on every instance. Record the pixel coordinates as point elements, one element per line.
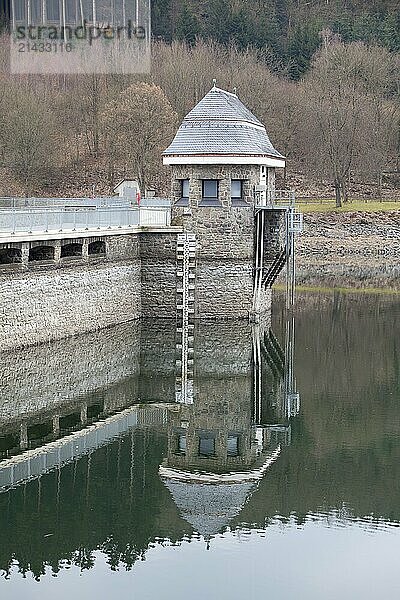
<point>323,75</point>
<point>288,28</point>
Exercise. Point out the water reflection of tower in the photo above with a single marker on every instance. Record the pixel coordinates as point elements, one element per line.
<point>233,424</point>
<point>276,399</point>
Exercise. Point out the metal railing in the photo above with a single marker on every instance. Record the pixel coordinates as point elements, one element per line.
<point>281,198</point>
<point>275,198</point>
<point>34,463</point>
<point>99,202</point>
<point>70,219</point>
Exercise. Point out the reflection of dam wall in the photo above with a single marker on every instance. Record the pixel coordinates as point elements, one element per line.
<point>35,463</point>
<point>81,379</point>
<point>43,376</point>
<point>86,489</point>
<point>157,361</point>
<point>111,501</point>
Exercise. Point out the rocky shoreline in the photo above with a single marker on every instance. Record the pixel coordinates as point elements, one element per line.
<point>350,249</point>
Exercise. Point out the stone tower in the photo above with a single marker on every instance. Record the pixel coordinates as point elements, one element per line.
<point>223,167</point>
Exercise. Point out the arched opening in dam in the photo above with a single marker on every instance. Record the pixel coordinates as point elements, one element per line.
<point>9,256</point>
<point>41,253</point>
<point>71,250</point>
<point>97,248</point>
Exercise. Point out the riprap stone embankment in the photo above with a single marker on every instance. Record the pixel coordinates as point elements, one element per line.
<point>350,249</point>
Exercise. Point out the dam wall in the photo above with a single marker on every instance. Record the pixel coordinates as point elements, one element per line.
<point>57,289</point>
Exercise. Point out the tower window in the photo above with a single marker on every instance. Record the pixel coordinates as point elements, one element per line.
<point>210,189</point>
<point>233,445</point>
<point>185,188</point>
<point>182,444</point>
<point>184,193</point>
<point>206,445</point>
<point>210,192</point>
<point>237,189</point>
<point>237,192</point>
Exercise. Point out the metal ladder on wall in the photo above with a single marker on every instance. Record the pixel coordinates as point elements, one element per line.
<point>292,397</point>
<point>294,226</point>
<point>186,275</point>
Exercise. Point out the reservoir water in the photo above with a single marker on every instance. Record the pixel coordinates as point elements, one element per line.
<point>231,468</point>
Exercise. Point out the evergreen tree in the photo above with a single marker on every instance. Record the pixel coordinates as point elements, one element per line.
<point>187,27</point>
<point>268,32</point>
<point>303,43</point>
<point>161,19</point>
<point>289,28</point>
<point>221,26</point>
<point>241,30</point>
<point>281,12</point>
<point>390,34</point>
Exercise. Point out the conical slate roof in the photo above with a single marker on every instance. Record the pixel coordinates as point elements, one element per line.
<point>209,501</point>
<point>209,508</point>
<point>221,125</point>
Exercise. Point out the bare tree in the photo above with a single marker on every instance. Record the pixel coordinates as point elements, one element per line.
<point>346,112</point>
<point>31,141</point>
<point>138,125</point>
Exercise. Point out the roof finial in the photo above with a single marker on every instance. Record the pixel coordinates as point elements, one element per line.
<point>214,84</point>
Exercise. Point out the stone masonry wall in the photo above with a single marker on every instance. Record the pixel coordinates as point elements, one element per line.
<point>225,239</point>
<point>349,250</point>
<point>158,275</point>
<point>45,306</point>
<point>48,300</point>
<point>51,295</point>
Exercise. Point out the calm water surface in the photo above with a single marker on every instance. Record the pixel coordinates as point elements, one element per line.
<point>120,479</point>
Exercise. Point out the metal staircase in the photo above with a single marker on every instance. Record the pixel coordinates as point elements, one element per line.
<point>268,266</point>
<point>186,275</point>
<point>273,354</point>
<point>271,275</point>
<point>270,359</point>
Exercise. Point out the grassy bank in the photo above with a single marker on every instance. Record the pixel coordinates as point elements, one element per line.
<point>342,290</point>
<point>354,206</point>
